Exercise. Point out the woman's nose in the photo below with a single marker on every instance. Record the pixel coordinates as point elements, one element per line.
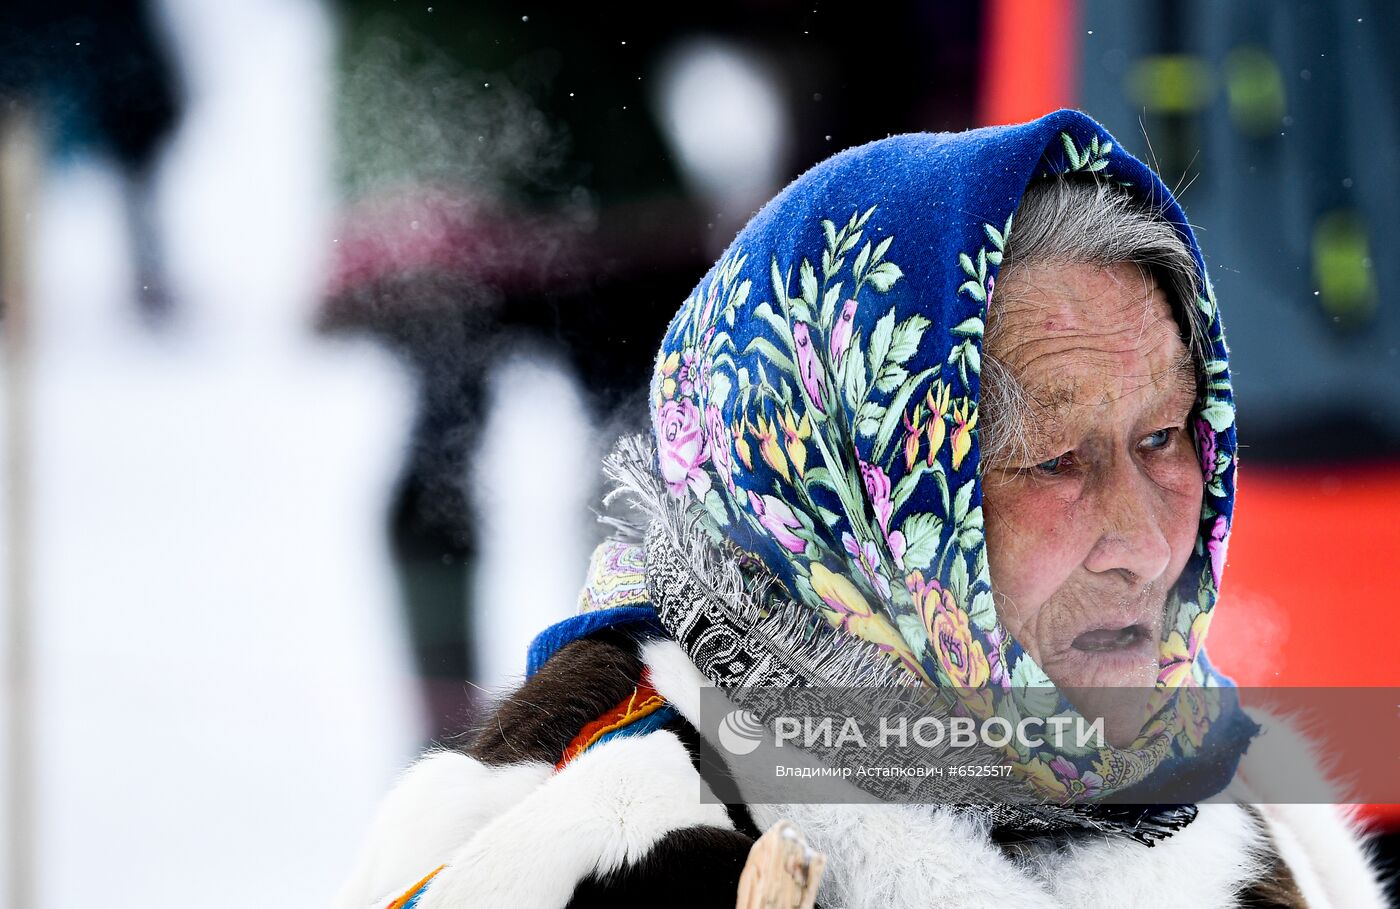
<point>1132,540</point>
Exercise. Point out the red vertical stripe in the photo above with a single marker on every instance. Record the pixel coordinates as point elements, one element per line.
<point>1029,59</point>
<point>1309,596</point>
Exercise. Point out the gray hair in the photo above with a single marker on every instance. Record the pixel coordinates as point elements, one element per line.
<point>1082,221</point>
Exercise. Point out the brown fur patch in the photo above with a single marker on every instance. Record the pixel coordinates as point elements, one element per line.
<point>577,685</point>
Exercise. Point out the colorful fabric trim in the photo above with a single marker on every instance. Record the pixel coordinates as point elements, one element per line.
<point>413,894</point>
<point>642,711</point>
<point>618,577</point>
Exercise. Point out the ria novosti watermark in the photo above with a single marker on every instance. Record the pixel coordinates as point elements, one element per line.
<point>911,744</point>
<point>809,732</point>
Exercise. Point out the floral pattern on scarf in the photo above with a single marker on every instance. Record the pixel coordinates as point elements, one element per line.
<point>816,399</point>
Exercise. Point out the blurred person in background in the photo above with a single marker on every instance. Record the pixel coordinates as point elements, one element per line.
<point>955,411</point>
<point>498,166</point>
<point>172,420</point>
<point>105,84</point>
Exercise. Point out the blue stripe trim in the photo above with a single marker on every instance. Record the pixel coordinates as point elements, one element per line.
<point>649,723</point>
<point>413,900</point>
<point>548,642</point>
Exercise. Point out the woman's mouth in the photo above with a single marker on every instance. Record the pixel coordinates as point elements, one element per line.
<point>1111,640</point>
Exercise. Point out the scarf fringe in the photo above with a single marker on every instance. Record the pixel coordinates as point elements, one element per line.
<point>751,598</point>
<point>690,568</point>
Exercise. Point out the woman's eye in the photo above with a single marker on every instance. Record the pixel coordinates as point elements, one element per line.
<point>1054,465</point>
<point>1158,440</point>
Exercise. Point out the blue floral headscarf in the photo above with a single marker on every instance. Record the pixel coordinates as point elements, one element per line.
<point>817,396</point>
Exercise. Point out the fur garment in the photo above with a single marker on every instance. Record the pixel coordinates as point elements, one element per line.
<point>625,824</point>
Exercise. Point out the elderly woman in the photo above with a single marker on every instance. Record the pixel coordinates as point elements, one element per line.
<point>952,413</point>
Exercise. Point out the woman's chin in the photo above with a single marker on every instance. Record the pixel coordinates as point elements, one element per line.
<point>1111,685</point>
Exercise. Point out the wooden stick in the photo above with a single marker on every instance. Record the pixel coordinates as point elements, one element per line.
<point>19,170</point>
<point>782,872</point>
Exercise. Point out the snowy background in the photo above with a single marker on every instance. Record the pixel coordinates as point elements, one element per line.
<point>302,416</point>
<point>221,688</point>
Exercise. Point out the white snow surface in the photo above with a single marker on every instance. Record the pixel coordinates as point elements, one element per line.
<point>223,689</point>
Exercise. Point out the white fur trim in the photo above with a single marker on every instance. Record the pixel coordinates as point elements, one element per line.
<point>520,836</point>
<point>1204,864</point>
<point>438,805</point>
<point>1324,848</point>
<point>1322,843</point>
<point>915,855</point>
<point>884,856</point>
<point>877,855</point>
<point>604,810</point>
<point>675,677</point>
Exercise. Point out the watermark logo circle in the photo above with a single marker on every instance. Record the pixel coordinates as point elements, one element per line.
<point>740,732</point>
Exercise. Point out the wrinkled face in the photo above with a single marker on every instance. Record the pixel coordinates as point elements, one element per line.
<point>1089,530</point>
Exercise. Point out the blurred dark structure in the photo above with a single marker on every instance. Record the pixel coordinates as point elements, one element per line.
<point>589,252</point>
<point>100,77</point>
<point>1281,123</point>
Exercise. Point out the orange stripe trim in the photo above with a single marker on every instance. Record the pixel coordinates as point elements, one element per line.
<point>643,701</point>
<point>408,894</point>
